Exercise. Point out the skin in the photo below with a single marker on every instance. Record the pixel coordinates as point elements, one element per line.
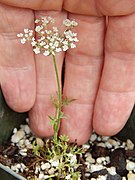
<point>99,73</point>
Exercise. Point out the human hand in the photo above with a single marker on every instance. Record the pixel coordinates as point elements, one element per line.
<point>18,70</point>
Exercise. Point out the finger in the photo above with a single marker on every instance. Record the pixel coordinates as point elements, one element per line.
<point>35,5</point>
<point>82,74</point>
<point>116,94</point>
<point>17,70</point>
<point>46,83</point>
<point>100,7</point>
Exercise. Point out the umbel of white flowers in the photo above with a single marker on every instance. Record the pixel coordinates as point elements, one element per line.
<point>50,41</point>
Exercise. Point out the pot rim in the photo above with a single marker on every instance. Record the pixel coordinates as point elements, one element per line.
<point>9,171</point>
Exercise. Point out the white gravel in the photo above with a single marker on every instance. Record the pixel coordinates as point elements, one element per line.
<point>23,139</point>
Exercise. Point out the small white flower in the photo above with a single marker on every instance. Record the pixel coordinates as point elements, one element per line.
<point>33,39</point>
<point>53,53</point>
<point>38,28</point>
<point>74,34</point>
<point>46,53</point>
<point>20,35</point>
<point>48,37</point>
<point>30,33</point>
<point>74,23</point>
<point>60,39</point>
<point>58,49</point>
<point>67,22</point>
<point>49,40</point>
<point>33,43</point>
<point>50,44</point>
<point>46,46</point>
<point>42,38</point>
<point>23,41</point>
<point>42,32</point>
<point>53,47</point>
<point>26,30</point>
<point>68,177</point>
<point>72,45</point>
<point>65,48</point>
<point>56,44</point>
<point>70,38</point>
<point>51,19</point>
<point>48,31</point>
<point>26,35</point>
<point>52,39</point>
<point>42,43</point>
<point>75,39</point>
<point>47,20</point>
<point>65,42</point>
<point>37,21</point>
<point>36,50</point>
<point>55,29</point>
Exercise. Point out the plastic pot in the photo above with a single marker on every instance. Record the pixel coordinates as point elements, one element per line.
<point>8,121</point>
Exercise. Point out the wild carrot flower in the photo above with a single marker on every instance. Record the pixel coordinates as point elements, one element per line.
<point>50,41</point>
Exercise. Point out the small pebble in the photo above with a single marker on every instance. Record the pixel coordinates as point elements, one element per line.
<point>51,171</point>
<point>100,160</point>
<point>90,159</point>
<point>130,145</point>
<point>96,167</point>
<point>93,137</point>
<point>87,174</point>
<point>41,176</point>
<point>101,144</point>
<point>17,136</point>
<point>45,166</point>
<point>40,142</point>
<point>112,171</point>
<point>108,145</point>
<point>130,166</point>
<point>86,146</point>
<point>105,138</point>
<point>99,138</point>
<point>101,178</point>
<point>107,158</point>
<point>131,176</point>
<point>14,130</point>
<point>37,169</point>
<point>113,142</point>
<point>27,129</point>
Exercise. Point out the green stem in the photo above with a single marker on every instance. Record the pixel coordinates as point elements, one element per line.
<point>59,100</point>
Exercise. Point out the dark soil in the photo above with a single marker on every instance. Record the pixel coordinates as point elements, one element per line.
<point>9,155</point>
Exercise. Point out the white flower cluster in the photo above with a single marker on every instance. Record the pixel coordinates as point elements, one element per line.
<point>50,41</point>
<point>26,36</point>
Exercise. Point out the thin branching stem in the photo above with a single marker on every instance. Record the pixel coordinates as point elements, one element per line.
<point>59,100</point>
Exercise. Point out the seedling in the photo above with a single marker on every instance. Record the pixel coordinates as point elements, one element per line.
<point>50,41</point>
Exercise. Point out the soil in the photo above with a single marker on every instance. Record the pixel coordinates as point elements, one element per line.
<point>9,156</point>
